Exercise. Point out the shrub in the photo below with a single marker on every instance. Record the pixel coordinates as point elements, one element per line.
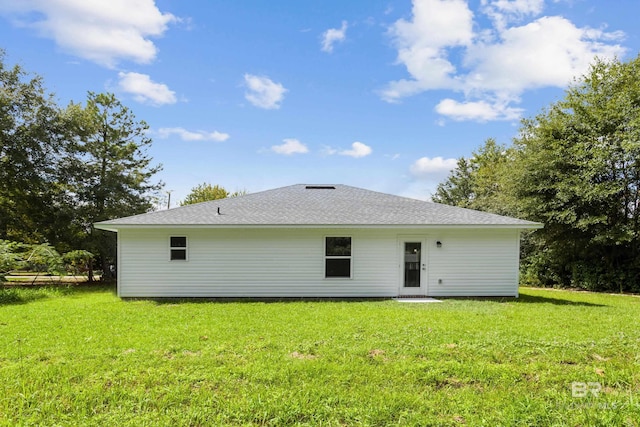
<point>43,258</point>
<point>77,262</point>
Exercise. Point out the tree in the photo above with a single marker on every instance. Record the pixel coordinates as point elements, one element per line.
<point>203,193</point>
<point>61,170</point>
<point>78,261</point>
<point>32,140</point>
<point>480,182</point>
<point>206,192</point>
<point>458,188</point>
<point>578,171</point>
<point>109,172</point>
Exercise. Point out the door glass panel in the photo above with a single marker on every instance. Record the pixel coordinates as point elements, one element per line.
<point>412,263</point>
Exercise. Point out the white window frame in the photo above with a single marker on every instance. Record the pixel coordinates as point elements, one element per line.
<point>175,248</point>
<point>326,257</point>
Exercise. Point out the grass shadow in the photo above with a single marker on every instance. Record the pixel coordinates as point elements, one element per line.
<point>525,299</point>
<point>13,296</point>
<point>248,300</point>
<point>23,294</point>
<point>531,299</point>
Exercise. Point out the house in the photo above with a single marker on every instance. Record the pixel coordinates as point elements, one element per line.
<point>317,241</point>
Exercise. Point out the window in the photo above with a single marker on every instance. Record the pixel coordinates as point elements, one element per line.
<point>337,253</point>
<point>178,248</point>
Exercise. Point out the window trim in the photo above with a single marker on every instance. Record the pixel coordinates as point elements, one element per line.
<point>185,248</point>
<point>326,257</point>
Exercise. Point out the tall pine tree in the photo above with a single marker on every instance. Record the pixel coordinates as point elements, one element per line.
<point>110,173</point>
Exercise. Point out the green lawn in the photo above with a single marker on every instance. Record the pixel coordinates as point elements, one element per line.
<point>81,356</point>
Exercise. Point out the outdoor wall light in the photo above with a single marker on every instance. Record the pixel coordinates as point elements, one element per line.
<point>439,244</point>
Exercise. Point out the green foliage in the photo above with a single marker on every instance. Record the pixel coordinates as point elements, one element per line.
<point>61,170</point>
<point>97,360</point>
<point>9,257</point>
<point>578,172</point>
<point>31,143</point>
<point>43,258</point>
<point>238,193</point>
<point>205,192</point>
<point>480,182</point>
<point>458,189</point>
<point>109,174</point>
<point>78,261</point>
<point>576,168</point>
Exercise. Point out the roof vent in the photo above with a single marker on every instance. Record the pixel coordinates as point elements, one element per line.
<point>320,187</point>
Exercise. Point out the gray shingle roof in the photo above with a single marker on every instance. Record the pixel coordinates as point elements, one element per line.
<point>300,205</point>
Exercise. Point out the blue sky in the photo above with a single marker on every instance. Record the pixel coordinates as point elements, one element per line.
<point>258,94</point>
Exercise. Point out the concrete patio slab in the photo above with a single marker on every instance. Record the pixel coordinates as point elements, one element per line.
<point>417,300</point>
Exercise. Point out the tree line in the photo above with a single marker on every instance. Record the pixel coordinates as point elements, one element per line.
<point>63,168</point>
<point>575,167</point>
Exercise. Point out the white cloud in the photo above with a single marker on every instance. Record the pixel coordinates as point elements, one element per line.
<point>187,135</point>
<point>333,36</point>
<point>358,149</point>
<point>429,166</point>
<point>104,32</point>
<point>517,52</point>
<point>549,51</point>
<point>290,146</point>
<point>515,7</point>
<point>263,92</point>
<point>427,173</point>
<point>144,90</point>
<point>480,111</point>
<point>422,43</point>
<point>328,151</point>
<point>503,12</point>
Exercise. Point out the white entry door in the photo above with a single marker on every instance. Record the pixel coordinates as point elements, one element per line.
<point>413,266</point>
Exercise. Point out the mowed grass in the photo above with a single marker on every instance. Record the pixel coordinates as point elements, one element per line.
<point>82,356</point>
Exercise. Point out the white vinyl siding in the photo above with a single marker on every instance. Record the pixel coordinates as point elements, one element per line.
<point>250,262</point>
<point>291,263</point>
<point>474,263</point>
